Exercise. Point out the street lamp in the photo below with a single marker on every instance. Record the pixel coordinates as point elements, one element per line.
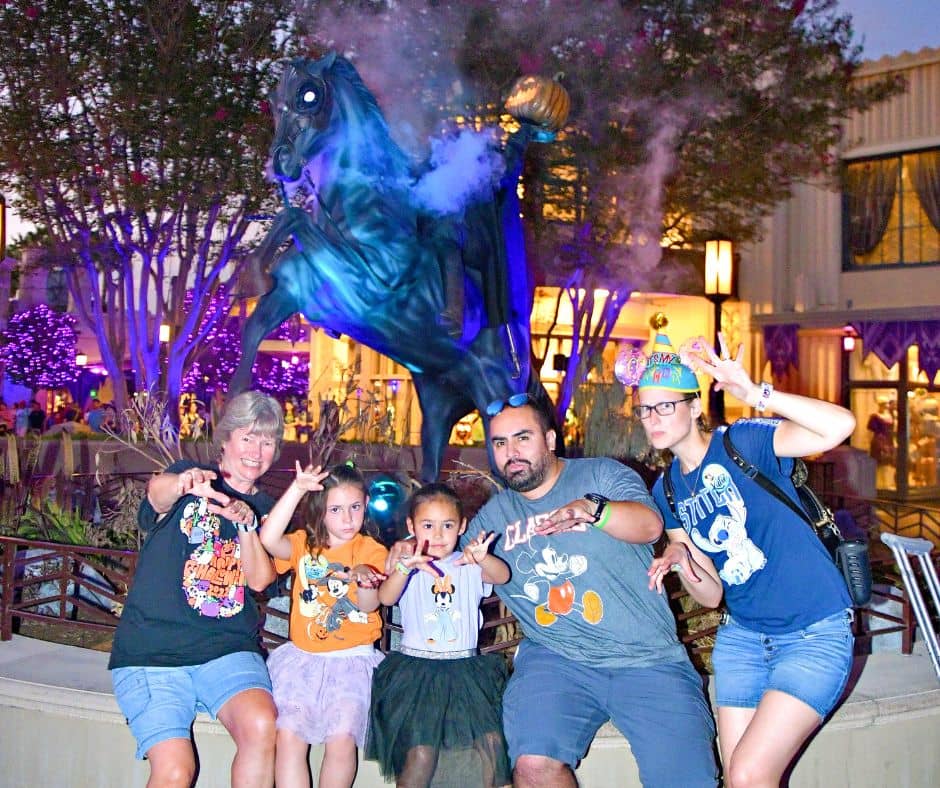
<point>719,285</point>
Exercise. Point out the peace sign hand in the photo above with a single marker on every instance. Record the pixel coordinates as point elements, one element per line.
<point>478,549</point>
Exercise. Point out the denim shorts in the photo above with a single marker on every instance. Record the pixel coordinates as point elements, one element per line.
<point>811,664</point>
<point>554,706</point>
<point>161,703</point>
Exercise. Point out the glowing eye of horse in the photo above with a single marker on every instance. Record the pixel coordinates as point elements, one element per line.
<point>310,96</point>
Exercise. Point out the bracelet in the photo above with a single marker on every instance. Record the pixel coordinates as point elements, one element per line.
<point>247,529</point>
<point>604,517</point>
<point>766,389</point>
<point>402,569</point>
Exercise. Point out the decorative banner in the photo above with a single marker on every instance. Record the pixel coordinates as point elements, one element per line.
<point>889,341</point>
<point>782,348</point>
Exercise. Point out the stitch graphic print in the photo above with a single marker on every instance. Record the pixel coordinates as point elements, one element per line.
<point>720,498</point>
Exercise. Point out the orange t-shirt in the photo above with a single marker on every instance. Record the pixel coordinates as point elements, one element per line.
<point>323,614</point>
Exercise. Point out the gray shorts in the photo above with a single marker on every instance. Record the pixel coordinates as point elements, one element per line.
<point>554,706</point>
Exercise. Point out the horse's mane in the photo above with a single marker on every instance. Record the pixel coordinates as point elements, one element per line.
<point>371,133</point>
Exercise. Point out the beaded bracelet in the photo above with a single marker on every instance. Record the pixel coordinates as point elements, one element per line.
<point>766,389</point>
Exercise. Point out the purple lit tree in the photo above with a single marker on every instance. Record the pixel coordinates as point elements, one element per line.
<point>38,348</point>
<point>136,133</point>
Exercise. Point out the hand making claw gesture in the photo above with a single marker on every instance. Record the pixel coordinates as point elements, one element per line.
<point>309,479</point>
<point>478,549</point>
<point>727,372</point>
<point>364,576</point>
<point>413,557</point>
<point>196,481</point>
<point>675,558</point>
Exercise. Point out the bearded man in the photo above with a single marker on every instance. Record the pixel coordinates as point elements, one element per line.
<point>578,536</point>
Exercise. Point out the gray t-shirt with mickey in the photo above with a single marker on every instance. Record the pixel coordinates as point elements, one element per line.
<point>582,593</point>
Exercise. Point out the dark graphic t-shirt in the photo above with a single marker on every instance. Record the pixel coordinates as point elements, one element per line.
<point>188,603</point>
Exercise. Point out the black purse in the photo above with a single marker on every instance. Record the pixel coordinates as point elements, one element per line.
<point>850,555</point>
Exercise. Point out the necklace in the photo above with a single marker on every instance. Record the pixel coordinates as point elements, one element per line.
<point>698,476</point>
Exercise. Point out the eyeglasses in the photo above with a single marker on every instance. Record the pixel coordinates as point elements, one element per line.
<point>662,408</point>
<point>498,405</point>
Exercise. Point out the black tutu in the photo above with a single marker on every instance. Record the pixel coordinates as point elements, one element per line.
<point>446,714</point>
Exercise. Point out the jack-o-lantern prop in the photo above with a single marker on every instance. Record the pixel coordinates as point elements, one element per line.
<point>539,100</point>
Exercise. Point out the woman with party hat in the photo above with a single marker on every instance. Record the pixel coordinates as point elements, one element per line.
<point>783,653</point>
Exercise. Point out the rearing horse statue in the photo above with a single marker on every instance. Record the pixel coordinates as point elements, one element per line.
<point>447,296</point>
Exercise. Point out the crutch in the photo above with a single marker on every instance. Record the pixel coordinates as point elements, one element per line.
<point>903,547</point>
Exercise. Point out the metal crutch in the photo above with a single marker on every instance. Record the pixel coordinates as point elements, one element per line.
<point>902,547</point>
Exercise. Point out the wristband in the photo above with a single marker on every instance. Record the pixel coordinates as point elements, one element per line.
<point>766,389</point>
<point>247,529</point>
<point>604,517</point>
<point>402,569</point>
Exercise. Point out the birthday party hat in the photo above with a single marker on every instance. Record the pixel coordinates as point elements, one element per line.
<point>664,369</point>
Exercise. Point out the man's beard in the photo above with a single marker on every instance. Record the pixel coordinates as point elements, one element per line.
<point>527,480</point>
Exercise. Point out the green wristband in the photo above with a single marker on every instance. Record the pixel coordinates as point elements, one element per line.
<point>604,517</point>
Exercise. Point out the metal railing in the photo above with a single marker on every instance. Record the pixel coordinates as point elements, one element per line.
<point>86,588</point>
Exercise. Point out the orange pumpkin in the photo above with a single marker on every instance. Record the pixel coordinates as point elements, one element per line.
<point>539,100</point>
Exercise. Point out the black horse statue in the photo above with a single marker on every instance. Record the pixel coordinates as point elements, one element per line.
<point>446,295</point>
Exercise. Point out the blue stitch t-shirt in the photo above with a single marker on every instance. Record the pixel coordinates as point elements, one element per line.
<point>776,573</point>
<point>581,593</point>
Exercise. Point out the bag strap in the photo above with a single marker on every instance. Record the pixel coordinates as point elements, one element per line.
<point>670,491</point>
<point>753,472</point>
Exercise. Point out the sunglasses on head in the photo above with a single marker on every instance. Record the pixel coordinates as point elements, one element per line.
<point>497,406</point>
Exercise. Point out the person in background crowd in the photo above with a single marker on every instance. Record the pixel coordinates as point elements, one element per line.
<point>21,419</point>
<point>95,415</point>
<point>37,417</point>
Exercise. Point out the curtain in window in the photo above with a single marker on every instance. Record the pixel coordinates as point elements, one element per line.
<point>925,175</point>
<point>870,190</point>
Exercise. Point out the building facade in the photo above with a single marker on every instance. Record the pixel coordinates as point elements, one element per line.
<point>843,292</point>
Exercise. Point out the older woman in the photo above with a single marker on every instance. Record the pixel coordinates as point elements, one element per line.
<point>188,637</point>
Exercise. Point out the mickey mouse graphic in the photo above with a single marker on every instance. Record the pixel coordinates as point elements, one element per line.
<point>551,576</point>
<point>445,617</point>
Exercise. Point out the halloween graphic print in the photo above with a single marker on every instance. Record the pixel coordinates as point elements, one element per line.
<point>213,580</point>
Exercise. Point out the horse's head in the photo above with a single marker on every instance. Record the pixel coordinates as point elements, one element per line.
<point>322,105</point>
<point>303,105</point>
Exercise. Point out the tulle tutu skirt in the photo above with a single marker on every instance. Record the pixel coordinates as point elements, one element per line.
<point>446,714</point>
<point>321,696</point>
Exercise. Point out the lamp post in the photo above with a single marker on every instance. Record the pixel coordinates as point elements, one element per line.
<point>719,285</point>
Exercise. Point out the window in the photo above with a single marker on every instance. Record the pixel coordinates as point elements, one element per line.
<point>891,210</point>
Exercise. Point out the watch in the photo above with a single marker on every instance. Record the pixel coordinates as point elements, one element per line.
<point>600,501</point>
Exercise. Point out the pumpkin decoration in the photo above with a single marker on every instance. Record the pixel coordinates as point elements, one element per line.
<point>539,100</point>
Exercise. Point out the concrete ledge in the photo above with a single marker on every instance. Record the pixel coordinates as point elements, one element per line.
<point>61,726</point>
